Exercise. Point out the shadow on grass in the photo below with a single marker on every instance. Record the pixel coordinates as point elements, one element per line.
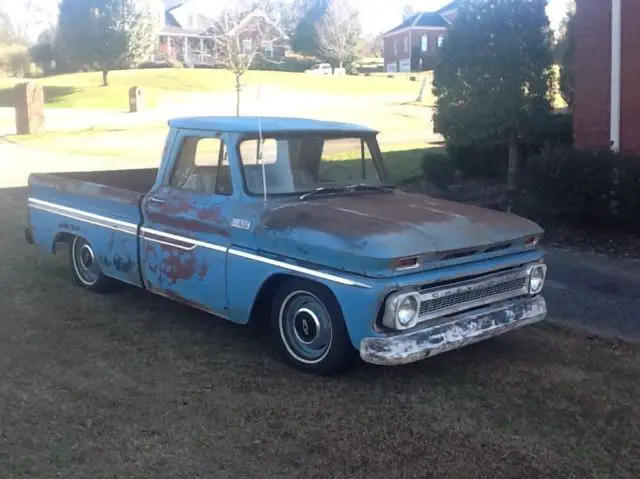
<point>52,94</point>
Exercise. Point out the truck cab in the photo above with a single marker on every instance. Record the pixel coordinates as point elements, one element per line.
<point>295,223</point>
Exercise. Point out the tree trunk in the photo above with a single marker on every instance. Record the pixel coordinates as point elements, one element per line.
<point>105,79</point>
<point>512,174</point>
<point>238,90</point>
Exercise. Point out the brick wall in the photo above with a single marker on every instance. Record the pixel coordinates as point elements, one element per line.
<point>592,74</point>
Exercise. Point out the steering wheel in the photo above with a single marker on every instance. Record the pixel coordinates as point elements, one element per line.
<point>323,179</point>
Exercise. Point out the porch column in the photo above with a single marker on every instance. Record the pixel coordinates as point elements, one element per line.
<point>616,72</point>
<point>169,46</point>
<point>201,50</point>
<point>185,49</point>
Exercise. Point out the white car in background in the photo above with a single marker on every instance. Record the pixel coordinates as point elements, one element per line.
<point>320,69</point>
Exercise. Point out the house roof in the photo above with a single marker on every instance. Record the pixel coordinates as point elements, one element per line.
<point>426,19</point>
<point>256,14</point>
<point>267,124</point>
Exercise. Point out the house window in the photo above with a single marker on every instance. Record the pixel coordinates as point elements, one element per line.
<point>406,44</point>
<point>424,43</point>
<point>440,40</point>
<point>395,47</point>
<point>246,45</point>
<point>268,49</point>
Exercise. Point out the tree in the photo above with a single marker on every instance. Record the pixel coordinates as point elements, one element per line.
<point>408,11</point>
<point>106,34</point>
<point>311,14</point>
<point>238,41</point>
<point>494,77</point>
<point>339,33</point>
<point>7,34</point>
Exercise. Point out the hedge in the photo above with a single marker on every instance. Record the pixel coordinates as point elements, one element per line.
<point>585,188</point>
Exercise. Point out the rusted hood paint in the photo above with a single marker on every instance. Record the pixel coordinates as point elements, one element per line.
<point>364,232</point>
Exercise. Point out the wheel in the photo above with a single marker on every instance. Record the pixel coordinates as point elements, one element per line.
<point>85,268</point>
<point>309,329</point>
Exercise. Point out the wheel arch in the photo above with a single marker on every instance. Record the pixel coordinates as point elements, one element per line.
<point>268,288</point>
<point>65,237</point>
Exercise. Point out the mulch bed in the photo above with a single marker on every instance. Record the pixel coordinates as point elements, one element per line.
<point>490,194</point>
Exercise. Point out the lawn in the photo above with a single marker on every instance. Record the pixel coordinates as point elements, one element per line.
<point>133,385</point>
<point>84,90</point>
<point>143,146</point>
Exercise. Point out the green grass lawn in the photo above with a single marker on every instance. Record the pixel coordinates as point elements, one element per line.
<point>84,90</point>
<point>144,145</point>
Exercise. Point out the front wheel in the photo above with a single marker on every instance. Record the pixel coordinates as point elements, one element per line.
<point>309,329</point>
<point>85,268</point>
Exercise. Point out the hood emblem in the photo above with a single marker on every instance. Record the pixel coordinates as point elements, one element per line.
<point>240,223</point>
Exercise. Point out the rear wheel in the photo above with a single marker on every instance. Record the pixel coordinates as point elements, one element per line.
<point>309,329</point>
<point>85,268</point>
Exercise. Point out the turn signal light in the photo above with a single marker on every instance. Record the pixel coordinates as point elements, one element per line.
<point>407,263</point>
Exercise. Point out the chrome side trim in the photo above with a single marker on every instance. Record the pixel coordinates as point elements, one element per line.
<point>180,242</point>
<point>84,216</point>
<point>298,269</point>
<point>189,244</point>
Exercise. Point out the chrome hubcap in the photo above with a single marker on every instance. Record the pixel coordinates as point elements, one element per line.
<point>84,261</point>
<point>305,327</point>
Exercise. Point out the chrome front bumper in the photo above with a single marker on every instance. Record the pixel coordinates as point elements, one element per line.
<point>457,332</point>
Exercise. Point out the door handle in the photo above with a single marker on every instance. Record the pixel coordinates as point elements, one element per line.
<point>159,201</point>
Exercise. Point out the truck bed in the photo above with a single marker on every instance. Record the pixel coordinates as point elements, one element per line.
<point>127,186</point>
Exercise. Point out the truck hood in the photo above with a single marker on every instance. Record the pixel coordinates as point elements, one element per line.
<point>364,232</point>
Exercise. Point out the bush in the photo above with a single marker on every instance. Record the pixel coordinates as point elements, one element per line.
<point>162,61</point>
<point>289,64</point>
<point>585,188</point>
<point>490,159</point>
<point>15,60</point>
<point>438,168</point>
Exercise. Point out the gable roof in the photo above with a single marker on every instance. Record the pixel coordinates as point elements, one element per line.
<point>257,13</point>
<point>426,19</point>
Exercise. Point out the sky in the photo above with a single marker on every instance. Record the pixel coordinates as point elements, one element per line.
<point>386,14</point>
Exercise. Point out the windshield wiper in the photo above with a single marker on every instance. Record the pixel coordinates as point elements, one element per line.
<point>346,189</point>
<point>322,189</point>
<point>365,187</point>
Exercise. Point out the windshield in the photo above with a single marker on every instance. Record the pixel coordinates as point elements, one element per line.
<point>297,165</point>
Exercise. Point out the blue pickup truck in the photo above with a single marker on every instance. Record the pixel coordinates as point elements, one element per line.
<point>295,223</point>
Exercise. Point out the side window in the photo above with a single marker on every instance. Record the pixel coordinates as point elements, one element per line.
<point>203,166</point>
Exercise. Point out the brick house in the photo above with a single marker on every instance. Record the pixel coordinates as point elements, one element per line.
<point>186,32</point>
<point>606,105</point>
<point>411,45</point>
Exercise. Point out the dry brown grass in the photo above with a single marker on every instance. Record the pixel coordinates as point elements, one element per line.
<point>138,386</point>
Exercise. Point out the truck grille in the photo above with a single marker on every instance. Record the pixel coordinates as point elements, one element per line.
<point>452,298</point>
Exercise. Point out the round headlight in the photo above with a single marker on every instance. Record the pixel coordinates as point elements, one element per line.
<point>407,311</point>
<point>536,279</point>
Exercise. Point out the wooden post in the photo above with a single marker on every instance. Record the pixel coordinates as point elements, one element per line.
<point>29,107</point>
<point>202,50</point>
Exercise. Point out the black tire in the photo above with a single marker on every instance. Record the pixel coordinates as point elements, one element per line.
<point>85,269</point>
<point>309,329</point>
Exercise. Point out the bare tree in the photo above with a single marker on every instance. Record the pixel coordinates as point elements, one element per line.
<point>240,38</point>
<point>339,32</point>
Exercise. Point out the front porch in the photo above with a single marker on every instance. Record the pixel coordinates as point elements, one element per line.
<point>188,48</point>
